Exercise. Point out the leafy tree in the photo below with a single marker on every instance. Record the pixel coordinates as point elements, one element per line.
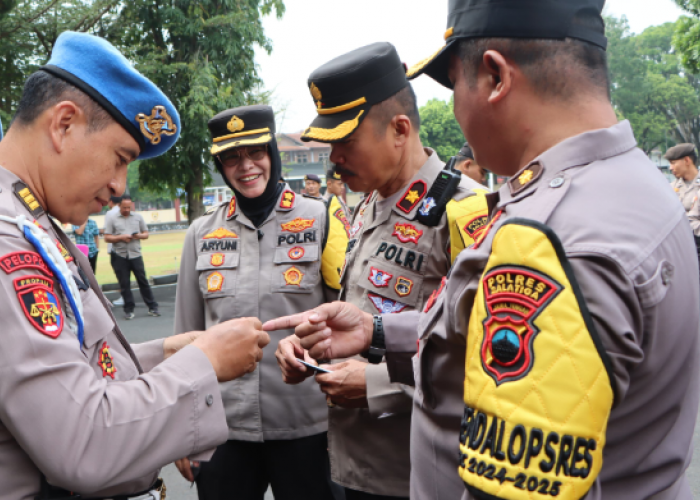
<point>439,128</point>
<point>201,53</point>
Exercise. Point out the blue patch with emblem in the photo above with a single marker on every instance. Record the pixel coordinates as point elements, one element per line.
<point>428,205</point>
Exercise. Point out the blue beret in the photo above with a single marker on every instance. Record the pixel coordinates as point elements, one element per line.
<point>97,68</point>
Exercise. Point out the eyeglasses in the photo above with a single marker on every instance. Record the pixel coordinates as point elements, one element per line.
<point>234,157</point>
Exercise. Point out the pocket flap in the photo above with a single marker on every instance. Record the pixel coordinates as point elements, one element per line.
<point>392,282</point>
<point>217,260</point>
<point>300,253</point>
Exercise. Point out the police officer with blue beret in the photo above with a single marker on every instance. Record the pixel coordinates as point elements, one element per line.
<point>83,413</point>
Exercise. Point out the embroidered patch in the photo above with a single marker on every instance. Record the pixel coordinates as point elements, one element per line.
<point>407,232</point>
<point>402,256</point>
<point>475,226</point>
<point>485,231</point>
<point>298,225</point>
<point>433,296</point>
<point>403,286</point>
<point>412,196</point>
<point>428,205</point>
<point>287,200</point>
<point>296,253</point>
<point>220,234</point>
<point>64,253</point>
<point>156,124</point>
<point>293,276</point>
<point>385,306</point>
<point>514,297</point>
<point>217,259</point>
<point>235,124</point>
<point>39,304</point>
<point>26,196</point>
<point>23,260</point>
<point>215,282</point>
<point>106,362</point>
<point>340,215</point>
<point>355,229</point>
<point>231,208</point>
<point>379,278</point>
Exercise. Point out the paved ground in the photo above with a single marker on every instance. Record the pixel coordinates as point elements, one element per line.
<point>145,327</point>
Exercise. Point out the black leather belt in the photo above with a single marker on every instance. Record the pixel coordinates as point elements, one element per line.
<point>48,492</point>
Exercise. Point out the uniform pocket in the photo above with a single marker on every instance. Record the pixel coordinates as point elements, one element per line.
<point>218,274</point>
<point>296,269</point>
<point>392,282</point>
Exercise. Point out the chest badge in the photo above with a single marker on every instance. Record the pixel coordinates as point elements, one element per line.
<point>106,362</point>
<point>287,200</point>
<point>297,225</point>
<point>217,259</point>
<point>220,234</point>
<point>293,276</point>
<point>428,205</point>
<point>413,195</point>
<point>296,253</point>
<point>385,306</point>
<point>379,278</point>
<point>407,232</point>
<point>403,286</point>
<point>215,282</point>
<point>39,304</point>
<point>231,208</point>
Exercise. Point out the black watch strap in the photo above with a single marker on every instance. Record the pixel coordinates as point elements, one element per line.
<point>377,348</point>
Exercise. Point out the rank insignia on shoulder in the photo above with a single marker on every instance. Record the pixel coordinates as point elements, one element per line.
<point>39,304</point>
<point>231,208</point>
<point>296,253</point>
<point>428,205</point>
<point>287,200</point>
<point>526,177</point>
<point>64,253</point>
<point>385,306</point>
<point>27,198</point>
<point>217,259</point>
<point>23,260</point>
<point>407,232</point>
<point>403,286</point>
<point>293,276</point>
<point>215,282</point>
<point>220,234</point>
<point>379,278</point>
<point>298,225</point>
<point>106,362</point>
<point>436,293</point>
<point>413,195</point>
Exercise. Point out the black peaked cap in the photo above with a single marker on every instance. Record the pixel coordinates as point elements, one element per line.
<point>244,126</point>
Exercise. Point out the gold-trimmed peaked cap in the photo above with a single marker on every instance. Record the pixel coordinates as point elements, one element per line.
<point>244,126</point>
<point>549,19</point>
<point>344,89</point>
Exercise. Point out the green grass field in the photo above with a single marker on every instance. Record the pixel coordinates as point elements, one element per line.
<point>161,254</point>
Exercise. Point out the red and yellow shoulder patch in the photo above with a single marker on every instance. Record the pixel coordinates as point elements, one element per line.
<point>231,208</point>
<point>106,362</point>
<point>297,225</point>
<point>39,304</point>
<point>287,200</point>
<point>220,234</point>
<point>413,195</point>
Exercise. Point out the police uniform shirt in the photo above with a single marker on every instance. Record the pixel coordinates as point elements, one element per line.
<point>636,268</point>
<point>688,194</point>
<point>393,265</point>
<point>96,419</point>
<point>231,269</point>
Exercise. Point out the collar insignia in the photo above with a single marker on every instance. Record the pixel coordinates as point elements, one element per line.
<point>433,296</point>
<point>297,225</point>
<point>106,362</point>
<point>64,253</point>
<point>407,232</point>
<point>156,124</point>
<point>215,282</point>
<point>379,278</point>
<point>287,200</point>
<point>293,276</point>
<point>231,208</point>
<point>385,306</point>
<point>220,234</point>
<point>412,196</point>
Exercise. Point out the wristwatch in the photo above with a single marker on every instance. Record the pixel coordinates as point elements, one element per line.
<point>377,348</point>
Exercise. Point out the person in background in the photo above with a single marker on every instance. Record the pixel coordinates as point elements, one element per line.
<point>125,231</point>
<point>468,165</point>
<point>312,186</point>
<point>683,160</point>
<point>89,234</point>
<point>113,205</point>
<point>334,186</point>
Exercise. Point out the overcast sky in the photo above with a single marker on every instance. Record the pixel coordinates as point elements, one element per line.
<point>312,32</point>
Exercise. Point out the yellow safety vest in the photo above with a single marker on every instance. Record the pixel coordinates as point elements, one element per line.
<point>466,219</point>
<point>337,236</point>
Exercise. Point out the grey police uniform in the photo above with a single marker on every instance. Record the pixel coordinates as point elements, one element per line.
<point>97,418</point>
<point>231,269</point>
<point>393,265</point>
<point>688,194</point>
<point>637,273</point>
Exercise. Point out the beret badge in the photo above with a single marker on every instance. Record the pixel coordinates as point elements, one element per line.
<point>156,124</point>
<point>235,124</point>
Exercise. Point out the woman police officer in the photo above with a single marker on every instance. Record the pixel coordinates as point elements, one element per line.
<point>261,255</point>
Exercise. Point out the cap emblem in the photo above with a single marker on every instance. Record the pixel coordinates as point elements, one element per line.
<point>156,124</point>
<point>315,92</point>
<point>235,124</point>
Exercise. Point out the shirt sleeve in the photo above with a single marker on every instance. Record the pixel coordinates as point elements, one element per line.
<point>142,225</point>
<point>400,338</point>
<point>149,354</point>
<point>109,224</point>
<point>383,396</point>
<point>694,216</point>
<point>189,303</point>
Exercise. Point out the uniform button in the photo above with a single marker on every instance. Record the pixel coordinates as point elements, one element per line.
<point>209,399</point>
<point>556,182</point>
<point>666,274</point>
